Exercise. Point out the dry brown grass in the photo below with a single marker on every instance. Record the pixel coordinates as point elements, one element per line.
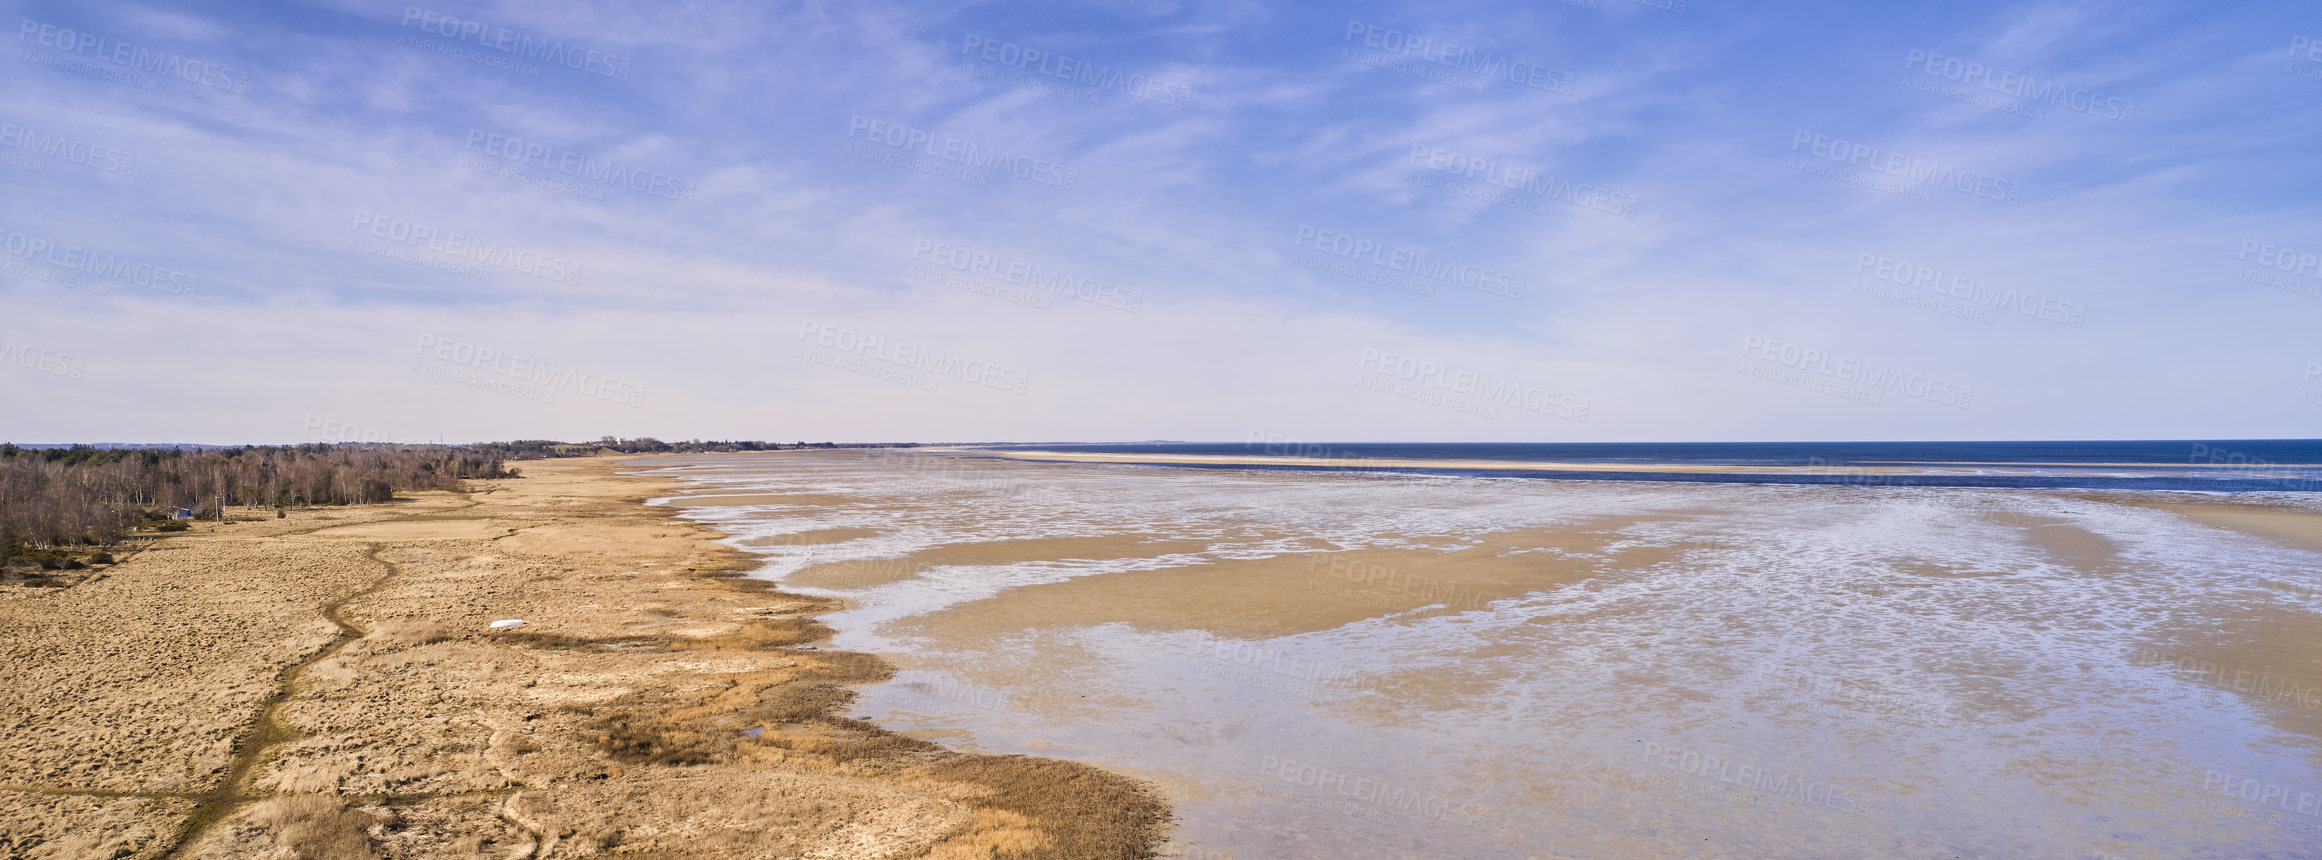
<point>390,635</point>
<point>848,667</point>
<point>526,638</point>
<point>632,738</point>
<point>761,635</point>
<point>1027,808</point>
<point>867,742</point>
<point>317,827</point>
<point>798,703</point>
<point>756,635</point>
<point>1048,809</point>
<point>996,833</point>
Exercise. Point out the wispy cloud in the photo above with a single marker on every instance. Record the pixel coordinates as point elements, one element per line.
<point>666,196</point>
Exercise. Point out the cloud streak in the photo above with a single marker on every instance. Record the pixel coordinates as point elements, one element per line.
<point>692,191</point>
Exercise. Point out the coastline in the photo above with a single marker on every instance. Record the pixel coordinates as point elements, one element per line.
<point>330,682</point>
<point>1219,632</point>
<point>1352,462</point>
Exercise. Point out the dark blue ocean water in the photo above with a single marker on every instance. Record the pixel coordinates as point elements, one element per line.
<point>2239,465</point>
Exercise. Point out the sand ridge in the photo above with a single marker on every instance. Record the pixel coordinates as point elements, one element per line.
<point>864,573</point>
<point>1261,598</point>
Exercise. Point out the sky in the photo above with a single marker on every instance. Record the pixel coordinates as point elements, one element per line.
<point>1595,220</point>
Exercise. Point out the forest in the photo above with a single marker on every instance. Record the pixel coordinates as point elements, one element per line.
<point>83,496</point>
<point>56,498</point>
<point>533,449</point>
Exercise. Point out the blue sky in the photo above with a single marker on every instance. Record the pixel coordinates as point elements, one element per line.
<point>1214,221</point>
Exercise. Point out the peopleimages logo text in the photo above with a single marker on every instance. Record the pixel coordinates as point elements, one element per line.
<point>131,56</point>
<point>1368,791</point>
<point>2305,58</point>
<point>74,151</point>
<point>1808,359</point>
<point>1073,70</point>
<point>97,264</point>
<point>523,368</point>
<point>1465,59</point>
<point>846,342</point>
<point>570,163</point>
<point>44,360</point>
<point>1408,261</point>
<point>1756,777</point>
<point>2282,259</point>
<point>1517,179</point>
<point>516,43</point>
<point>1972,290</point>
<point>962,152</point>
<point>1910,168</point>
<point>2021,86</point>
<point>1044,281</point>
<point>466,247</point>
<point>1470,384</point>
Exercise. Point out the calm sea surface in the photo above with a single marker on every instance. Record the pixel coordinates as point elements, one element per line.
<point>2292,465</point>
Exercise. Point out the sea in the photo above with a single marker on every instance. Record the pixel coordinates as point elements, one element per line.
<point>2237,465</point>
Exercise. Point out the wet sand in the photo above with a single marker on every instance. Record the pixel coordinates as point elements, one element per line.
<point>868,572</point>
<point>2291,527</point>
<point>1282,595</point>
<point>327,685</point>
<point>1321,665</point>
<point>2257,645</point>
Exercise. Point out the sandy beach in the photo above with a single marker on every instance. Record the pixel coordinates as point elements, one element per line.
<point>1324,665</point>
<point>328,685</point>
<point>892,654</point>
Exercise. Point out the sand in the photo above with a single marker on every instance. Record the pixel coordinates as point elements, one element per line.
<point>868,572</point>
<point>1971,672</point>
<point>2263,651</point>
<point>326,685</point>
<point>735,500</point>
<point>1284,595</point>
<point>2289,526</point>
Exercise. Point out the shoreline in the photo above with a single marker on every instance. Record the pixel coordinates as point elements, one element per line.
<point>1192,626</point>
<point>1159,459</point>
<point>329,681</point>
<point>328,684</point>
<point>2192,478</point>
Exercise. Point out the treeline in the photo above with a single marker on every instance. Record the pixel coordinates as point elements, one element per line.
<point>86,496</point>
<point>535,449</point>
<point>83,496</point>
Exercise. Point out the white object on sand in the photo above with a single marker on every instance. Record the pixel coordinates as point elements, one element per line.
<point>508,622</point>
